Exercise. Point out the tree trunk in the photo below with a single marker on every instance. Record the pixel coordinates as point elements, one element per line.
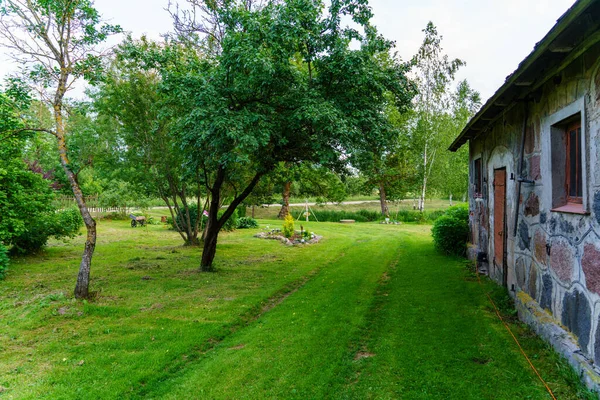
<point>214,224</point>
<point>424,187</point>
<point>382,201</point>
<point>210,247</point>
<point>83,277</point>
<point>252,210</point>
<point>285,208</point>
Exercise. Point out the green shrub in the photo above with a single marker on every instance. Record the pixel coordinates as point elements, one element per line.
<point>288,226</point>
<point>336,216</point>
<point>247,223</point>
<point>451,231</point>
<point>39,228</point>
<point>413,216</point>
<point>4,261</point>
<point>231,223</point>
<point>425,217</point>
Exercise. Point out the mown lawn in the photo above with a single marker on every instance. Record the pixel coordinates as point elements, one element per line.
<point>370,312</point>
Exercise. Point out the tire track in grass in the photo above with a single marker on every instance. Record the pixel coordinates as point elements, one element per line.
<point>428,335</point>
<point>297,349</point>
<point>203,350</point>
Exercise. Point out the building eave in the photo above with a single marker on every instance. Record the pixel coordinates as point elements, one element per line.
<point>576,30</point>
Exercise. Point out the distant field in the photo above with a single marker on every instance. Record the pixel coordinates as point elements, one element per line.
<point>273,210</point>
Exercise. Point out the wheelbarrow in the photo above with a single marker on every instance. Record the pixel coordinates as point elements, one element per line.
<point>135,220</point>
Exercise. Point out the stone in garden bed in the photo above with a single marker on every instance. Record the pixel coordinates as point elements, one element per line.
<point>296,240</point>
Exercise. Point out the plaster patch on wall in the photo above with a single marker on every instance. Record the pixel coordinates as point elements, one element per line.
<point>535,171</point>
<point>591,267</point>
<point>529,139</point>
<point>561,260</point>
<point>576,316</point>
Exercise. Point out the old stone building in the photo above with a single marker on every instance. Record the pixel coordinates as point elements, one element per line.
<point>535,187</point>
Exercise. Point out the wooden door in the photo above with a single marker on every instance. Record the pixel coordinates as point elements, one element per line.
<point>500,222</point>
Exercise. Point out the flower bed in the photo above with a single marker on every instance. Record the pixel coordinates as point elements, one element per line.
<point>299,237</point>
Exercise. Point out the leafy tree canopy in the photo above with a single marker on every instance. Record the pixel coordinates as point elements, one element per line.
<point>284,86</point>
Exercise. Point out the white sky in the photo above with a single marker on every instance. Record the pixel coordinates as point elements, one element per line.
<point>492,36</point>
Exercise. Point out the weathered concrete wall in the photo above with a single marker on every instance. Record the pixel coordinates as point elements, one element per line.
<point>555,256</point>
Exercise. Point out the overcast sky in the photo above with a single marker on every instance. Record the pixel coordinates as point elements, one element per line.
<point>492,36</point>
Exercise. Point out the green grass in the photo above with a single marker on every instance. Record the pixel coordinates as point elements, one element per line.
<point>370,312</point>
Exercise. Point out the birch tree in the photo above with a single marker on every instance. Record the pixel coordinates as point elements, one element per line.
<point>435,73</point>
<point>56,41</point>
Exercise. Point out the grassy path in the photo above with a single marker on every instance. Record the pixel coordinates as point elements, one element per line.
<point>386,322</point>
<point>372,312</point>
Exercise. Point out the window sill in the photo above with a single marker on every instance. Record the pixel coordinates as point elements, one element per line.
<point>571,209</point>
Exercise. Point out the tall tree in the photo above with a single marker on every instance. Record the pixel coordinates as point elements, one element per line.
<point>127,104</point>
<point>283,86</point>
<point>435,73</point>
<point>56,41</point>
<point>450,175</point>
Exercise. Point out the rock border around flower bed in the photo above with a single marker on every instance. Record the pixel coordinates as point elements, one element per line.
<point>275,234</point>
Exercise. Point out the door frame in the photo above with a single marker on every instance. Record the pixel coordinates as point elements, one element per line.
<point>504,266</point>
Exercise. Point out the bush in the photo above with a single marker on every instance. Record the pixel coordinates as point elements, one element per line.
<point>288,226</point>
<point>232,223</point>
<point>39,228</point>
<point>247,223</point>
<point>4,261</point>
<point>336,216</point>
<point>425,217</point>
<point>451,231</point>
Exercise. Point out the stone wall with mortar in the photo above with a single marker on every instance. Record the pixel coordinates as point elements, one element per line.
<point>554,256</point>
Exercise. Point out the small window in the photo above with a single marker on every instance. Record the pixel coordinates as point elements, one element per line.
<point>477,178</point>
<point>568,165</point>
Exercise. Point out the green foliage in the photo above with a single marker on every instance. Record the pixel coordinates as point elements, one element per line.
<point>451,231</point>
<point>39,228</point>
<point>231,223</point>
<point>410,216</point>
<point>28,215</point>
<point>425,217</point>
<point>288,226</point>
<point>247,223</point>
<point>181,218</point>
<point>336,216</point>
<point>4,261</point>
<point>280,82</point>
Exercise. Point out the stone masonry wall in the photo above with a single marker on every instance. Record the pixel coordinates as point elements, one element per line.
<point>554,257</point>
